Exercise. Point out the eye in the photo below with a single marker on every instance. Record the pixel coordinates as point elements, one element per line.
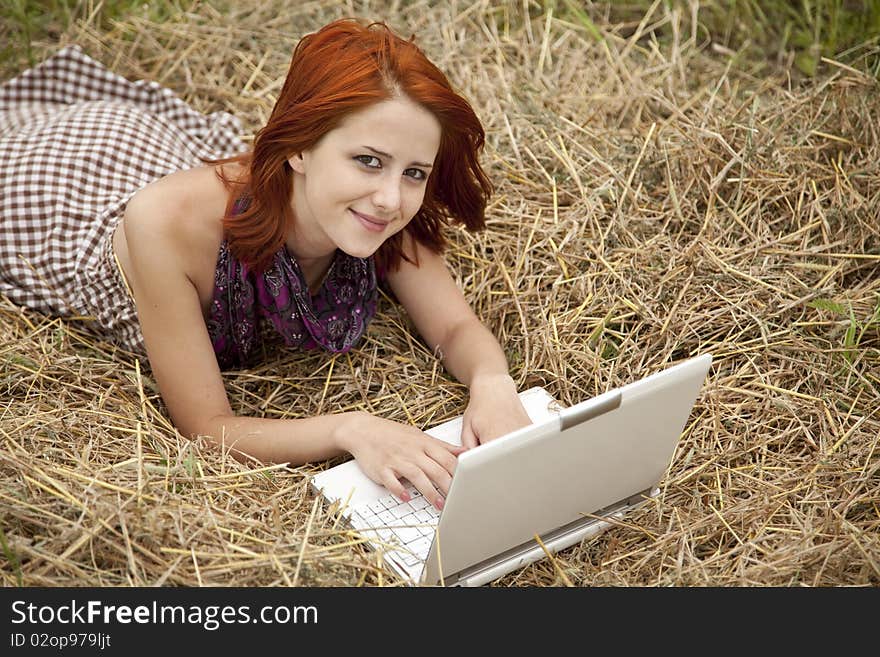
<point>370,161</point>
<point>416,174</point>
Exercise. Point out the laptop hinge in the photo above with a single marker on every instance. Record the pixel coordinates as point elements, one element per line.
<point>570,417</point>
<point>569,528</point>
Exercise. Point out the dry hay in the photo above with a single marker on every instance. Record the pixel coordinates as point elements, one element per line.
<point>655,200</point>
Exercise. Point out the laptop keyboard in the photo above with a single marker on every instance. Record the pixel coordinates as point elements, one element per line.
<point>404,529</point>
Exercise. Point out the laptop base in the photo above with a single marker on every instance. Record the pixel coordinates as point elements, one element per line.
<point>553,542</point>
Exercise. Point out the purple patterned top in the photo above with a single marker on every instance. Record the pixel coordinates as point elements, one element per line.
<point>334,318</point>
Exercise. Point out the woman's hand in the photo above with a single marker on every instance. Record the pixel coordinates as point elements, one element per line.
<point>388,451</point>
<point>494,410</point>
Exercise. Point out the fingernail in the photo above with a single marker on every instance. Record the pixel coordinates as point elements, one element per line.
<point>439,503</point>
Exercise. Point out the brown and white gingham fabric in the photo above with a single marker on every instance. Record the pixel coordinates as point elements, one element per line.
<point>76,142</point>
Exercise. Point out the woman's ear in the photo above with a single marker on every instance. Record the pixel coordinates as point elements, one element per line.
<point>296,162</point>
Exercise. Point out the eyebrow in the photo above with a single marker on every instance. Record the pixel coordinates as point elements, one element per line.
<point>390,157</point>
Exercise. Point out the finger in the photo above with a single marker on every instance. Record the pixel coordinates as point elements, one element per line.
<point>446,460</point>
<point>439,473</point>
<point>449,447</point>
<point>392,483</point>
<point>503,429</point>
<point>420,480</point>
<point>468,438</point>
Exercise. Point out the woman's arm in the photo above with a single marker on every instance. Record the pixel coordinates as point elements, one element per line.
<point>162,245</point>
<point>163,257</point>
<point>467,348</point>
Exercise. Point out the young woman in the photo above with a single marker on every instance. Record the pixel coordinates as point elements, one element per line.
<point>113,207</point>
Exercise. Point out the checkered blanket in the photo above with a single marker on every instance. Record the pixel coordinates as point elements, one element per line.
<point>76,142</point>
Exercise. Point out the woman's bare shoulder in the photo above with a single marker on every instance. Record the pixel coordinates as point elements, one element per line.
<point>176,224</point>
<point>186,205</point>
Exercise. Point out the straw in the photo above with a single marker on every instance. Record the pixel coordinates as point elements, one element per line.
<point>655,200</point>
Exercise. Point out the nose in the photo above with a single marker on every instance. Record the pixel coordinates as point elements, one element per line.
<point>386,196</point>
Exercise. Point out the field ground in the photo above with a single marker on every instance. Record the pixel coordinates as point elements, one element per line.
<point>670,181</point>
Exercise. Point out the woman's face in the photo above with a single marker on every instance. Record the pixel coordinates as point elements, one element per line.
<point>364,180</point>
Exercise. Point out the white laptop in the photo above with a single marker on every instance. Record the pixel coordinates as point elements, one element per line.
<point>532,492</point>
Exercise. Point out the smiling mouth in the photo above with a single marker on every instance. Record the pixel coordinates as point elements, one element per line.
<point>370,223</point>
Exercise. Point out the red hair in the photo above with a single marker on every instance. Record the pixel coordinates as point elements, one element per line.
<point>340,69</point>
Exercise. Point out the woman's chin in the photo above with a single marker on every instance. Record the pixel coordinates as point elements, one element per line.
<point>359,250</point>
